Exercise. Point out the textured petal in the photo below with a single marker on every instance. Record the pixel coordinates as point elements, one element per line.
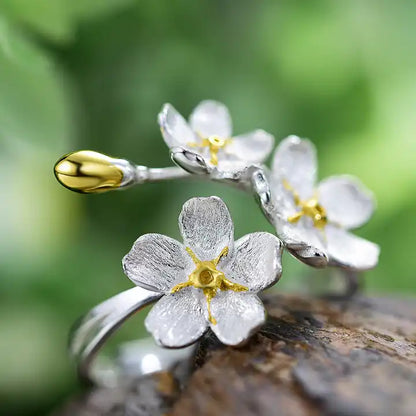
<point>252,147</point>
<point>238,315</point>
<point>231,166</point>
<point>206,227</point>
<point>295,162</point>
<point>350,251</point>
<point>347,202</point>
<point>303,241</point>
<point>175,129</point>
<point>157,262</point>
<point>211,118</point>
<point>256,263</point>
<point>283,198</point>
<point>178,319</point>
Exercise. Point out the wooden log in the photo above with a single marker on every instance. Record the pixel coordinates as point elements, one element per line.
<point>313,357</point>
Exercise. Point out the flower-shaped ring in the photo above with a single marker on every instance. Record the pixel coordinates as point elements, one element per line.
<point>319,217</point>
<point>210,281</point>
<point>205,145</point>
<point>314,221</point>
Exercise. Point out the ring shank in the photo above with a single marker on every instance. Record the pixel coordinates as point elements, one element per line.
<point>139,357</point>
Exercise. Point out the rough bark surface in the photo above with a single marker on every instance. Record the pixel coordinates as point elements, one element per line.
<point>313,357</point>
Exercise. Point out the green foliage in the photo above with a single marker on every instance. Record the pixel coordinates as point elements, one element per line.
<point>34,104</point>
<point>94,74</point>
<point>57,20</point>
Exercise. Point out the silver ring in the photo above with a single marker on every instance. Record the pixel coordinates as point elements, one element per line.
<point>134,358</point>
<point>209,277</point>
<point>208,282</point>
<point>312,220</point>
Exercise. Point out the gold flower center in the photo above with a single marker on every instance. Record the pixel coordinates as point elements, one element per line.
<point>207,277</point>
<point>214,144</point>
<point>310,208</point>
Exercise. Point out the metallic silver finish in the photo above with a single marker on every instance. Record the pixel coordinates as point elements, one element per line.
<point>346,202</point>
<point>137,174</point>
<point>92,330</point>
<point>181,317</point>
<point>162,267</point>
<point>160,263</point>
<point>133,358</point>
<point>261,189</point>
<point>244,314</point>
<point>300,248</point>
<point>142,357</point>
<point>206,227</point>
<point>349,251</point>
<point>156,255</point>
<point>256,262</point>
<point>211,118</point>
<point>210,122</point>
<point>189,161</point>
<point>194,163</point>
<point>178,319</point>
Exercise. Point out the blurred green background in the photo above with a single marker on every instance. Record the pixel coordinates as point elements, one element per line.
<point>93,74</point>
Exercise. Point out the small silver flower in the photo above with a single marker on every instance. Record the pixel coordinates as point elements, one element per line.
<point>313,221</point>
<point>208,137</point>
<point>209,281</point>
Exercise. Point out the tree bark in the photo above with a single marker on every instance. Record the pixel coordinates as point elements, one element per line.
<point>313,357</point>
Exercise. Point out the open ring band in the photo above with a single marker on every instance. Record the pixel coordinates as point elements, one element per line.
<point>135,358</point>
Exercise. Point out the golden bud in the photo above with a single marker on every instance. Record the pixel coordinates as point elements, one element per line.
<point>88,172</point>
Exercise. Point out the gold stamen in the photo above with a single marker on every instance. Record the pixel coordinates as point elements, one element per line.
<point>209,295</point>
<point>209,279</point>
<point>224,252</point>
<point>214,143</point>
<point>310,207</point>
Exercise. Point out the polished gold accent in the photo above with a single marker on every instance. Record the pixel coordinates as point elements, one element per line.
<point>209,279</point>
<point>88,172</point>
<point>214,143</point>
<point>311,208</point>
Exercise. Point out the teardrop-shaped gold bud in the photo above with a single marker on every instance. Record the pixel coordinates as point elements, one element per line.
<point>88,172</point>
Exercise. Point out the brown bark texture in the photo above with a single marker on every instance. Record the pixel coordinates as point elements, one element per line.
<point>313,357</point>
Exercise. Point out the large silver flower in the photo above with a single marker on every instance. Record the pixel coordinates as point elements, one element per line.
<point>314,220</point>
<point>209,281</point>
<point>207,136</point>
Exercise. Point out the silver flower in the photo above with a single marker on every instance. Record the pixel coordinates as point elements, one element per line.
<point>206,143</point>
<point>313,220</point>
<point>209,281</point>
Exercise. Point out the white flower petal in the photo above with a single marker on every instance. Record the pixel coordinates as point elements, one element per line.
<point>178,319</point>
<point>350,251</point>
<point>211,118</point>
<point>238,315</point>
<point>252,147</point>
<point>175,129</point>
<point>346,201</point>
<point>231,166</point>
<point>256,262</point>
<point>283,198</point>
<point>295,162</point>
<point>206,227</point>
<point>157,262</point>
<point>303,241</point>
